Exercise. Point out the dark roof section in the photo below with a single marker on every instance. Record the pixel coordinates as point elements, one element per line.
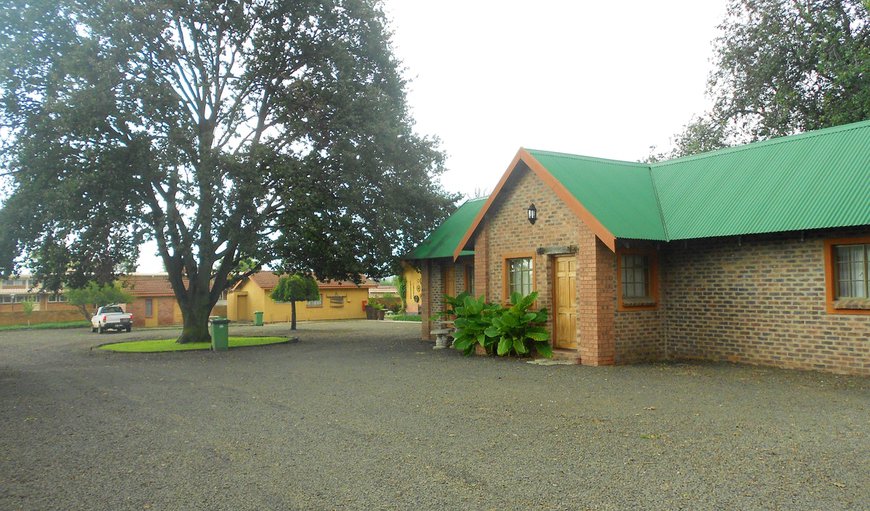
<point>447,236</point>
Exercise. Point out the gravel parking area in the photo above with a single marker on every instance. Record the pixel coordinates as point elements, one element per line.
<point>362,415</point>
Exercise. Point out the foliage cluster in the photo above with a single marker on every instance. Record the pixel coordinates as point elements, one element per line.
<point>390,302</point>
<point>96,295</point>
<point>233,134</point>
<point>782,68</point>
<point>511,330</point>
<point>295,288</point>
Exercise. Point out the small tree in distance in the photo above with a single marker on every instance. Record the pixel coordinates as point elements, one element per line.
<point>295,288</point>
<point>94,294</point>
<point>28,306</point>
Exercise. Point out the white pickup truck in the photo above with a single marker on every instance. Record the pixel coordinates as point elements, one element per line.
<point>111,317</point>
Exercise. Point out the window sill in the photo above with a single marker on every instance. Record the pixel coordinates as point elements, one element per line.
<point>859,304</point>
<point>638,302</point>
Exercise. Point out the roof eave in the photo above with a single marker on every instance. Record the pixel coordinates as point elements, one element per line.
<point>576,207</point>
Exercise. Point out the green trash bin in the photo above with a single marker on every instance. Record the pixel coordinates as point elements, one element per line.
<point>258,318</point>
<point>220,334</point>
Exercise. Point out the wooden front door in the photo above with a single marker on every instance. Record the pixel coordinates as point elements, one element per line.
<point>565,303</point>
<point>242,308</point>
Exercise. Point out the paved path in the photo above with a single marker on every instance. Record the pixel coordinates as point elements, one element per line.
<point>361,415</point>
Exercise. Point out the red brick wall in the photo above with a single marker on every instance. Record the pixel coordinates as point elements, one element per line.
<point>164,306</point>
<point>639,334</point>
<point>759,300</point>
<point>508,233</point>
<point>481,262</point>
<point>166,310</point>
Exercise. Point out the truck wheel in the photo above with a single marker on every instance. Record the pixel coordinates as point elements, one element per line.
<point>129,328</point>
<point>93,329</point>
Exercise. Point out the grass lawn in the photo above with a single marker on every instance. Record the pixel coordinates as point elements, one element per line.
<point>170,344</point>
<point>47,326</point>
<point>405,317</point>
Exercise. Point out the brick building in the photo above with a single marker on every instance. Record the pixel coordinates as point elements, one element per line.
<point>755,254</point>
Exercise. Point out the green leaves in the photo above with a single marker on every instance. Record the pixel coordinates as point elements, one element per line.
<point>782,68</point>
<point>85,297</point>
<point>505,330</point>
<point>296,288</point>
<point>269,131</point>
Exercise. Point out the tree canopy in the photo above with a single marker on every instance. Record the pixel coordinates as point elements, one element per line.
<point>295,288</point>
<point>94,294</point>
<point>784,67</point>
<point>228,131</point>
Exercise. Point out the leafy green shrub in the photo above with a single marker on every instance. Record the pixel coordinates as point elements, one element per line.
<point>519,330</point>
<point>473,317</point>
<point>503,330</point>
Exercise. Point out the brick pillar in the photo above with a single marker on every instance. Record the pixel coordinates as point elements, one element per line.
<point>481,263</point>
<point>595,314</point>
<point>606,295</point>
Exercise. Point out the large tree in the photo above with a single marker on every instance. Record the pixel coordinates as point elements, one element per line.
<point>784,67</point>
<point>227,131</point>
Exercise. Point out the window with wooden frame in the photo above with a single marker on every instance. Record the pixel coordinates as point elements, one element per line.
<point>519,272</point>
<point>149,307</point>
<point>847,275</point>
<point>637,279</point>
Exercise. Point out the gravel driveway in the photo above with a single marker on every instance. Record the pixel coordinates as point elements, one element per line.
<point>362,415</point>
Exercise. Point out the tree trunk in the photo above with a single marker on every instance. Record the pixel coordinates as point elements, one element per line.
<point>293,315</point>
<point>195,312</point>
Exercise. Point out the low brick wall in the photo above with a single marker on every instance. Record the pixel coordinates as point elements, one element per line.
<point>759,300</point>
<point>36,317</point>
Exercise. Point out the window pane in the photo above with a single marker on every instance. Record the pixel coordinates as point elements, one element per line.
<point>520,276</point>
<point>635,276</point>
<point>851,271</point>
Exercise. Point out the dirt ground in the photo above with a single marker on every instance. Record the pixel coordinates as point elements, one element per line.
<point>363,415</point>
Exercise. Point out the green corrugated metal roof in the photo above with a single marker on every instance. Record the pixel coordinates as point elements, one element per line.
<point>444,239</point>
<point>813,180</point>
<point>619,194</point>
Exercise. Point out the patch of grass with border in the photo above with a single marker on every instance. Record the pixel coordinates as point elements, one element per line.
<point>47,326</point>
<point>163,345</point>
<point>405,317</point>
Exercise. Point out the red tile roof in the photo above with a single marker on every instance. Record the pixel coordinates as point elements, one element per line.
<point>148,285</point>
<point>268,280</point>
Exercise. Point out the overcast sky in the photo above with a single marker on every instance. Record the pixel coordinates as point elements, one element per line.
<point>598,78</point>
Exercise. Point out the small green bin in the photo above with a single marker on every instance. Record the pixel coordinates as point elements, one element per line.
<point>220,334</point>
<point>258,318</point>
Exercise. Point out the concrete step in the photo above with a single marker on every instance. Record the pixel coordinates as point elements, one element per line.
<point>572,356</point>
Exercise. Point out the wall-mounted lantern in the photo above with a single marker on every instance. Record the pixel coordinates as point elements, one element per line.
<point>533,214</point>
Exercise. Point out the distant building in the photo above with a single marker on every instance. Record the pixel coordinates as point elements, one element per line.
<point>338,300</point>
